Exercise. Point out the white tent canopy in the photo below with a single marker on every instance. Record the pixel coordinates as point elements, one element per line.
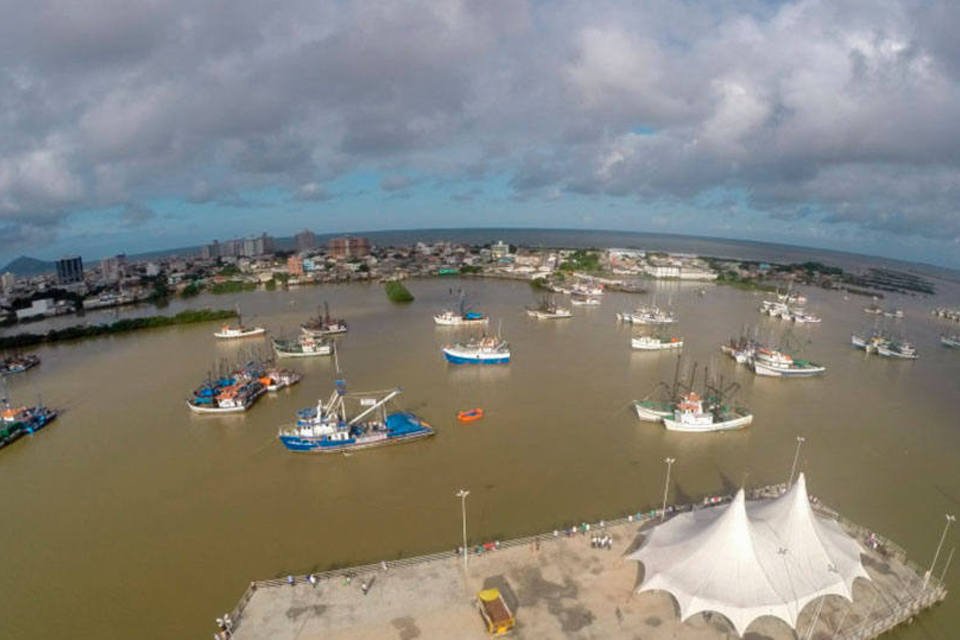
<point>763,558</point>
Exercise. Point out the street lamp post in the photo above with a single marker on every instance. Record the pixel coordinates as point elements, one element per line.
<point>943,536</point>
<point>796,458</point>
<point>666,487</point>
<point>462,494</point>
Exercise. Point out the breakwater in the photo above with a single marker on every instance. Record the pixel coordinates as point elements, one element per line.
<point>126,325</point>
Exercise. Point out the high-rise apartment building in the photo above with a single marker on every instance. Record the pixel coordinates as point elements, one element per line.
<point>305,240</point>
<point>69,270</point>
<point>348,247</point>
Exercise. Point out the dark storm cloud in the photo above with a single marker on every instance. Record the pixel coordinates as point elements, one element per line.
<point>842,112</point>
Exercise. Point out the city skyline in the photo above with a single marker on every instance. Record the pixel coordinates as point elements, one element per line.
<point>129,129</point>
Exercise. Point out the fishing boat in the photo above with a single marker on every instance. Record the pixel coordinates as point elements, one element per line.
<point>655,343</point>
<point>690,416</point>
<point>233,392</point>
<point>873,309</point>
<point>770,362</point>
<point>803,317</point>
<point>893,313</point>
<point>303,346</point>
<point>775,309</point>
<point>586,290</point>
<point>579,300</point>
<point>16,422</point>
<point>792,298</point>
<point>652,315</point>
<point>741,349</point>
<point>223,397</point>
<point>233,332</point>
<point>463,316</point>
<point>450,318</point>
<point>650,410</point>
<point>870,343</point>
<point>549,310</point>
<point>485,350</point>
<point>950,341</point>
<point>323,325</point>
<point>898,349</point>
<point>18,363</point>
<point>349,421</point>
<point>653,410</point>
<point>276,378</point>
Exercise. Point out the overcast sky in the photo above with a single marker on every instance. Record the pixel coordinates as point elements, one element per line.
<point>127,126</point>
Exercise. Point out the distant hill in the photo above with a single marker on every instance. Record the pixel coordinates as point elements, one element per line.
<point>25,266</point>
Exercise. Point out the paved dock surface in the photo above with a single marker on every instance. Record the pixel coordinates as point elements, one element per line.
<point>560,588</point>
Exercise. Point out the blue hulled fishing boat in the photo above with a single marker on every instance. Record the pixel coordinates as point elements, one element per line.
<point>348,421</point>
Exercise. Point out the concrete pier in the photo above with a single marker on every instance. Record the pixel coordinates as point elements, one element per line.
<point>559,586</point>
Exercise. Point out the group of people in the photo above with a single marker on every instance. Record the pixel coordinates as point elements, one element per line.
<point>225,624</point>
<point>601,542</point>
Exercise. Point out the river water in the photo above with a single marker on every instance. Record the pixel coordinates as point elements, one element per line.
<point>130,516</point>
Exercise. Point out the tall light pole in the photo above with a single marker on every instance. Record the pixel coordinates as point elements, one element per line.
<point>462,494</point>
<point>796,458</point>
<point>666,487</point>
<point>943,536</point>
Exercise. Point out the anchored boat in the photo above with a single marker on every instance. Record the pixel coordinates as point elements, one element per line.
<point>234,392</point>
<point>951,341</point>
<point>549,310</point>
<point>486,350</point>
<point>580,300</point>
<point>330,427</point>
<point>691,416</point>
<point>16,422</point>
<point>655,343</point>
<point>323,325</point>
<point>898,349</point>
<point>303,346</point>
<point>770,362</point>
<point>647,315</point>
<point>18,363</point>
<point>462,317</point>
<point>232,332</point>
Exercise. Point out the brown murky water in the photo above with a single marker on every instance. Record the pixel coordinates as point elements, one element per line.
<point>129,516</point>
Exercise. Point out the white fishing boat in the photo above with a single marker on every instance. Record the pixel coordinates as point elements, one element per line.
<point>655,343</point>
<point>233,332</point>
<point>741,349</point>
<point>449,318</point>
<point>303,346</point>
<point>690,416</point>
<point>323,325</point>
<point>486,350</point>
<point>653,410</point>
<point>228,332</point>
<point>647,316</point>
<point>792,298</point>
<point>584,301</point>
<point>549,310</point>
<point>803,317</point>
<point>275,379</point>
<point>893,313</point>
<point>951,341</point>
<point>795,368</point>
<point>898,349</point>
<point>584,289</point>
<point>775,309</point>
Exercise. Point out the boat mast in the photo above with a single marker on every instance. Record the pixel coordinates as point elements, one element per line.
<point>376,406</point>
